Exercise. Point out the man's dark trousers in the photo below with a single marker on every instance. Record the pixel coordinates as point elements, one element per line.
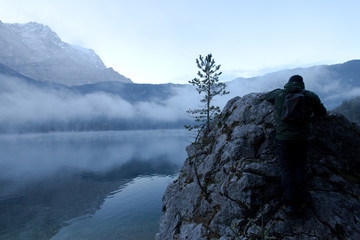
<point>292,156</point>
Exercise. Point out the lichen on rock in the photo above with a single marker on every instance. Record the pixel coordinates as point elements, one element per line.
<point>229,187</point>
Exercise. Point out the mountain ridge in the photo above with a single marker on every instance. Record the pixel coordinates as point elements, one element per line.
<point>34,50</point>
<point>37,68</point>
<point>333,83</point>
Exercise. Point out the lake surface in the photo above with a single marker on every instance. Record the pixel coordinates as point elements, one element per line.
<point>89,185</point>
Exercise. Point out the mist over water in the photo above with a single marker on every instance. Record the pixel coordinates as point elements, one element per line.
<point>23,105</point>
<point>32,106</point>
<point>86,185</point>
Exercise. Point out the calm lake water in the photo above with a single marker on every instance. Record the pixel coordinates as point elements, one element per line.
<point>90,185</point>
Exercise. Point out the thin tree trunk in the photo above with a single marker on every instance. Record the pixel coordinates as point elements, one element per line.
<point>208,107</point>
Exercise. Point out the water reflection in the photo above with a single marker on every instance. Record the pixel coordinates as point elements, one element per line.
<point>53,181</point>
<point>122,215</point>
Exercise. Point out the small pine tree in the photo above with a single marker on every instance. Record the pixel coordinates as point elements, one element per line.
<point>209,85</point>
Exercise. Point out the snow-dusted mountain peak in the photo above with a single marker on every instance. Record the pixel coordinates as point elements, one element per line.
<point>38,52</point>
<point>34,30</point>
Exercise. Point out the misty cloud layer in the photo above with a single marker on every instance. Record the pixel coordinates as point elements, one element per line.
<point>23,103</point>
<point>331,88</point>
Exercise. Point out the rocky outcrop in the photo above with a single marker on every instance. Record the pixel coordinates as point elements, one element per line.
<point>229,186</point>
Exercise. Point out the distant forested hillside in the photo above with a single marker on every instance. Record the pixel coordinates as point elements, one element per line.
<point>350,109</point>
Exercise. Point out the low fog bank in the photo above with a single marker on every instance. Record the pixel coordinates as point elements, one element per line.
<point>25,107</point>
<point>331,86</point>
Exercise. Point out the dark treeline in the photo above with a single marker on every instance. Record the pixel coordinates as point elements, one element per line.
<point>96,124</point>
<point>350,109</point>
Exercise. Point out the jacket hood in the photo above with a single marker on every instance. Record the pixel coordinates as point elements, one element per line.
<point>294,87</point>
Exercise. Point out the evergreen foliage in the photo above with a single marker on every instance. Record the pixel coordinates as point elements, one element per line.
<point>350,109</point>
<point>209,85</point>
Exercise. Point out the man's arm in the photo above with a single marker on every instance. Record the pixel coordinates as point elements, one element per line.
<point>318,108</point>
<point>270,96</point>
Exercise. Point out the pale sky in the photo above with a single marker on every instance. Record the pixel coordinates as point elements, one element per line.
<point>157,41</point>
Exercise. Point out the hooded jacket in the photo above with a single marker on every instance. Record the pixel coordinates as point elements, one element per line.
<point>299,130</point>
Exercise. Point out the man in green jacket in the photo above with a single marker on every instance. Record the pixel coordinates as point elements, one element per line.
<point>291,138</point>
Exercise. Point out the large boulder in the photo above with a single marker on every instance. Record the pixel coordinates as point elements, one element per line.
<point>229,186</point>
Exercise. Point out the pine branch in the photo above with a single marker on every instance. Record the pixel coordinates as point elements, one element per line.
<point>207,84</point>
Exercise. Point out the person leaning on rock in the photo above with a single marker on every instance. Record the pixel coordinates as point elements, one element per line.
<point>294,106</point>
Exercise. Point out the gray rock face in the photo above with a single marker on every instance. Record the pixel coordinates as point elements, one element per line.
<point>36,51</point>
<point>229,187</point>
